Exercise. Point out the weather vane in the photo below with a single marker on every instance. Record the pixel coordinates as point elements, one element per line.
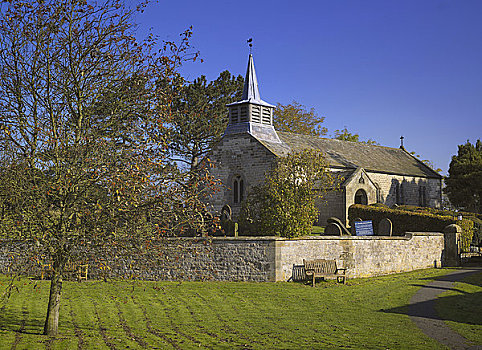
<point>250,43</point>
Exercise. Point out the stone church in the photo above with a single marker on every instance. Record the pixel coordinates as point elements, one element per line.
<point>369,173</point>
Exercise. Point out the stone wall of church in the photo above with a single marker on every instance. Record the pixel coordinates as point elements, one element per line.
<point>409,189</point>
<point>238,155</point>
<point>244,157</point>
<point>331,205</point>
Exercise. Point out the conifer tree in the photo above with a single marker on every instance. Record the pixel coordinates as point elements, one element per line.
<point>464,182</point>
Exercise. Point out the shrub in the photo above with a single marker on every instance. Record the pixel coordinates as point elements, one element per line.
<point>284,205</point>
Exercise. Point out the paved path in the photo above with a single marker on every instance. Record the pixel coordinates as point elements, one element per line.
<point>422,310</point>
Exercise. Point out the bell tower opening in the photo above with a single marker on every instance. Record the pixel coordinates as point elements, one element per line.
<point>251,114</point>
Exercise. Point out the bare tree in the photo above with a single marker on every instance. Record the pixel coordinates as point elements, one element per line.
<point>82,140</point>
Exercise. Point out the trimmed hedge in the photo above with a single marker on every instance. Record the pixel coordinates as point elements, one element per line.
<point>411,221</point>
<point>476,218</point>
<point>439,211</point>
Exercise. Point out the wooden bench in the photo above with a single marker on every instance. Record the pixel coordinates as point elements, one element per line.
<point>324,268</point>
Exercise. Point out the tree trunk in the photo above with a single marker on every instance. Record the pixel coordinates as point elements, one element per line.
<point>51,326</point>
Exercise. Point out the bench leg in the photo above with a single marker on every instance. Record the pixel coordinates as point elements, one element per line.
<point>313,280</point>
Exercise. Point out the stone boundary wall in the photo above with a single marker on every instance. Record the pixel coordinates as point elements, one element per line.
<point>363,256</point>
<point>256,259</point>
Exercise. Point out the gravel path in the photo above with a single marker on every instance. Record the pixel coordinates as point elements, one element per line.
<point>422,310</point>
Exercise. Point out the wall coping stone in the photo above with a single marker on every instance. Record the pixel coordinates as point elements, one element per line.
<point>407,235</point>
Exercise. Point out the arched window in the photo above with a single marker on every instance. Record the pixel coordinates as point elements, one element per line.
<point>399,197</point>
<point>361,197</point>
<point>422,196</point>
<point>379,193</point>
<point>238,189</point>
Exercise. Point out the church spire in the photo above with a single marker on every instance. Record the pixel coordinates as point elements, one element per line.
<point>252,115</point>
<point>251,90</point>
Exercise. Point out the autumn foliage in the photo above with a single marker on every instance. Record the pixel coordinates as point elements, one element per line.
<point>84,127</point>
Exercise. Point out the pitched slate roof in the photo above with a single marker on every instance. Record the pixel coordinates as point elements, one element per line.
<point>351,155</point>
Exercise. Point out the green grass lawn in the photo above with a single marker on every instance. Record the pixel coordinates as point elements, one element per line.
<point>219,315</point>
<point>317,230</point>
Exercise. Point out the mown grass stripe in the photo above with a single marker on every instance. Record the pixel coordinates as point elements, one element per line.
<point>155,332</point>
<point>198,321</point>
<point>78,332</point>
<point>226,326</point>
<point>127,329</point>
<point>18,333</point>
<point>103,330</point>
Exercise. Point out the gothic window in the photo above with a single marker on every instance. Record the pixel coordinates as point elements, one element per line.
<point>397,193</point>
<point>422,196</point>
<point>379,193</point>
<point>238,189</point>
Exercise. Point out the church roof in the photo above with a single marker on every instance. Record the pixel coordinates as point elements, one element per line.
<point>352,155</point>
<point>250,89</point>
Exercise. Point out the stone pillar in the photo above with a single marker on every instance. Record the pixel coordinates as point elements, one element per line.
<point>451,252</point>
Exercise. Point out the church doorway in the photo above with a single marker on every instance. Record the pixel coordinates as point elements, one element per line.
<point>361,197</point>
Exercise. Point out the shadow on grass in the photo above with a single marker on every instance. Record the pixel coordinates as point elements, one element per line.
<point>470,304</point>
<point>461,276</point>
<point>21,323</point>
<point>464,308</point>
<point>18,322</point>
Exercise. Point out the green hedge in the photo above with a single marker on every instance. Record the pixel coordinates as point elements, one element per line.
<point>440,211</point>
<point>411,221</point>
<point>476,218</point>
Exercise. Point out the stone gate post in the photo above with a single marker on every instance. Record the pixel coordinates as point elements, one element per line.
<point>451,253</point>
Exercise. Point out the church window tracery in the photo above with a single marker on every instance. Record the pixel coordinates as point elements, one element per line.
<point>422,196</point>
<point>238,189</point>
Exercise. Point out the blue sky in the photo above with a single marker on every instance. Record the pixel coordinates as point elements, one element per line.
<point>381,68</point>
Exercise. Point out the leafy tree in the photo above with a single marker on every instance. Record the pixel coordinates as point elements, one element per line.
<point>295,118</point>
<point>345,135</point>
<point>427,162</point>
<point>200,117</point>
<point>464,182</point>
<point>82,138</point>
<point>284,205</point>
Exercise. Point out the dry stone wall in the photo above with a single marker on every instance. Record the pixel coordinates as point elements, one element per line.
<point>250,258</point>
